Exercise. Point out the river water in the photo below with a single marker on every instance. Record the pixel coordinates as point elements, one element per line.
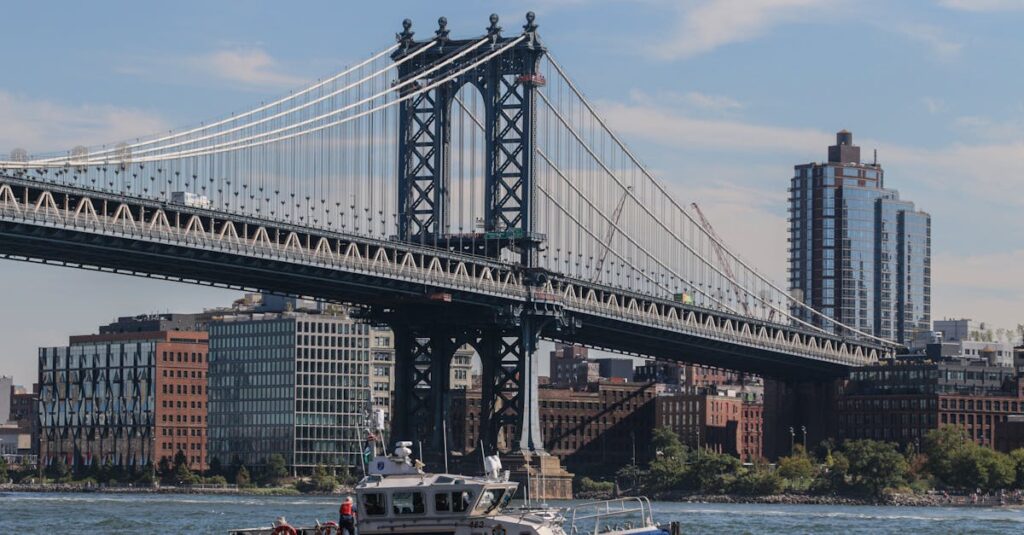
<point>42,513</point>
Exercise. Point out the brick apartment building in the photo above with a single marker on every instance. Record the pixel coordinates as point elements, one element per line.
<point>718,418</point>
<point>902,402</point>
<point>128,398</point>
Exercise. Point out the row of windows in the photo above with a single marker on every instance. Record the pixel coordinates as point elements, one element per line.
<point>184,374</point>
<point>178,356</point>
<point>181,432</point>
<point>177,404</point>
<point>195,390</point>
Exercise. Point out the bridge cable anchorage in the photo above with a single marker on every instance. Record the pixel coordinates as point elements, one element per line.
<point>670,198</point>
<point>234,145</point>
<point>253,111</point>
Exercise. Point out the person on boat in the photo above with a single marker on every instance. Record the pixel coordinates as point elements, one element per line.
<point>282,527</point>
<point>347,517</point>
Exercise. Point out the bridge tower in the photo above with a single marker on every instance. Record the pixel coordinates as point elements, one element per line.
<point>427,334</point>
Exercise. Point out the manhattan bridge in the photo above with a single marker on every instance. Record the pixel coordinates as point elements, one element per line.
<point>461,191</point>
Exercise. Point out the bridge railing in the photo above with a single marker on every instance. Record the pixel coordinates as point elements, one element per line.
<point>384,260</point>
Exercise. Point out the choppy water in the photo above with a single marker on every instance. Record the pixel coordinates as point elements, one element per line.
<point>38,513</point>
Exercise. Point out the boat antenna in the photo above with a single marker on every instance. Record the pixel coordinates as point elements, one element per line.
<point>444,438</point>
<point>528,491</point>
<point>420,444</point>
<point>483,457</point>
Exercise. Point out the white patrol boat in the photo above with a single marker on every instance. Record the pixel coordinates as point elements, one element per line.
<point>398,497</point>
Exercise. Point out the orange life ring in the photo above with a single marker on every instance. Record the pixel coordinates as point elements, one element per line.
<point>284,530</point>
<point>328,528</point>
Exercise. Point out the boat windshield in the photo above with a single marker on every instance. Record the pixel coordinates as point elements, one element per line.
<point>492,499</point>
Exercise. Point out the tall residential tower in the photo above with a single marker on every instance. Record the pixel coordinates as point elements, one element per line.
<point>857,252</point>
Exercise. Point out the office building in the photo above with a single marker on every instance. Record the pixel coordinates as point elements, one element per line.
<point>128,399</point>
<point>289,383</point>
<point>857,252</point>
<point>382,370</point>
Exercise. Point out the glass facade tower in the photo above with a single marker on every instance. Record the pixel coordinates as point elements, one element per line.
<point>858,253</point>
<point>292,384</point>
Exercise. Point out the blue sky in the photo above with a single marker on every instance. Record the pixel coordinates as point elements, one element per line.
<point>720,97</point>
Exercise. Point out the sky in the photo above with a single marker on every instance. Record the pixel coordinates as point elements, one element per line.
<point>721,98</point>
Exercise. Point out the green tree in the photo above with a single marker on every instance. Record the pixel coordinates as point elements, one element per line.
<point>990,469</point>
<point>1002,470</point>
<point>215,468</point>
<point>343,475</point>
<point>276,470</point>
<point>943,446</point>
<point>323,480</point>
<point>1017,456</point>
<point>181,474</point>
<point>874,465</point>
<point>667,444</point>
<point>710,471</point>
<point>242,478</point>
<point>668,468</point>
<point>758,481</point>
<point>796,467</point>
<point>147,476</point>
<point>59,471</point>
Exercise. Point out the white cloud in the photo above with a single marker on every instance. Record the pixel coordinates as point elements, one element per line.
<point>715,23</point>
<point>668,127</point>
<point>932,37</point>
<point>691,99</point>
<point>984,5</point>
<point>41,125</point>
<point>249,66</point>
<point>989,130</point>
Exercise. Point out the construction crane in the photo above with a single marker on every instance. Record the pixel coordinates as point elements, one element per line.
<point>716,243</point>
<point>616,215</point>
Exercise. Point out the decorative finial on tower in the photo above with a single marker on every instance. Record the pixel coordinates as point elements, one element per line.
<point>442,31</point>
<point>494,31</point>
<point>530,29</point>
<point>405,38</point>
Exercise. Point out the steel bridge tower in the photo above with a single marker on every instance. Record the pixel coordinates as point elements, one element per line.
<point>428,333</point>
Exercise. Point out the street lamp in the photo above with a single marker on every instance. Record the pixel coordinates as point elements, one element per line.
<point>792,439</point>
<point>803,430</point>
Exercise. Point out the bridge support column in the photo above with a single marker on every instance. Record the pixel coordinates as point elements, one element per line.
<point>422,385</point>
<point>510,411</point>
<point>795,408</point>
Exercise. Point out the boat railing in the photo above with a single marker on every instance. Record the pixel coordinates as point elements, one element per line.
<point>608,515</point>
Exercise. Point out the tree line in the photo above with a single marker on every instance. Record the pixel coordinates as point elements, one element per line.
<point>946,460</point>
<point>273,472</point>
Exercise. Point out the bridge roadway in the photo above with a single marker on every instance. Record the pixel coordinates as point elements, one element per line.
<point>90,229</point>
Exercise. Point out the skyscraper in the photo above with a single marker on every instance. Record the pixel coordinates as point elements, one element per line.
<point>857,252</point>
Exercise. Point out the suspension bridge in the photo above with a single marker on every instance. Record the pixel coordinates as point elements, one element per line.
<point>460,191</point>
